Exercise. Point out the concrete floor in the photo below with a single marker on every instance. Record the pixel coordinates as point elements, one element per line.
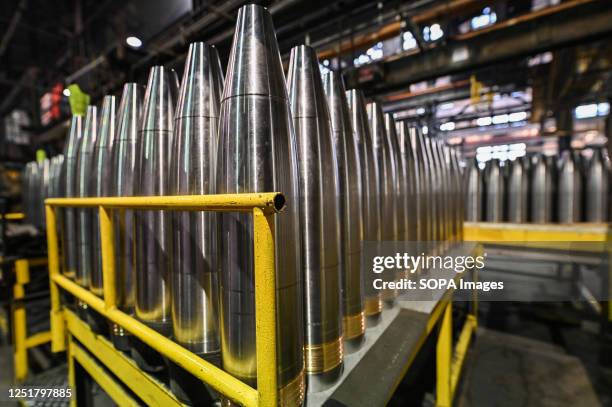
<point>6,374</point>
<point>508,370</point>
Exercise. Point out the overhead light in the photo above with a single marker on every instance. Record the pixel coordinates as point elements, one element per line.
<point>500,119</point>
<point>484,121</point>
<point>586,111</point>
<point>66,92</point>
<point>603,109</point>
<point>448,126</point>
<point>517,117</point>
<point>133,42</point>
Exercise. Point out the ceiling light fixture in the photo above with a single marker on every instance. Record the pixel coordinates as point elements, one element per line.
<point>133,42</point>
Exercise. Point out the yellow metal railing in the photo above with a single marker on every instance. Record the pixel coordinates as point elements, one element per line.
<point>13,216</point>
<point>21,341</point>
<point>593,237</point>
<point>263,206</point>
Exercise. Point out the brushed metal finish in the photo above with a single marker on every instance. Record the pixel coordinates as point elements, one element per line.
<point>257,153</point>
<point>495,191</point>
<point>401,181</point>
<point>541,190</point>
<point>101,184</point>
<point>387,173</point>
<point>371,188</point>
<point>68,190</point>
<point>152,228</point>
<point>44,168</point>
<point>123,184</point>
<point>569,197</point>
<point>387,178</point>
<point>475,189</point>
<point>84,170</point>
<point>319,216</point>
<point>349,203</point>
<point>458,175</point>
<point>195,317</point>
<point>518,191</point>
<point>54,190</point>
<point>598,187</point>
<point>434,189</point>
<point>439,150</point>
<point>33,179</point>
<point>412,182</point>
<point>424,187</point>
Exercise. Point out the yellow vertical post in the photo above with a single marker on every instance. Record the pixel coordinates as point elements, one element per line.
<point>71,377</point>
<point>444,349</point>
<point>20,331</point>
<point>108,257</point>
<point>58,334</point>
<point>474,311</point>
<point>265,306</point>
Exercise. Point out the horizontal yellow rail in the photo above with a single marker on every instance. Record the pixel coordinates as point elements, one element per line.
<point>146,387</point>
<point>262,205</point>
<point>13,216</point>
<point>272,201</point>
<point>38,339</point>
<point>203,370</point>
<point>527,232</point>
<point>112,388</point>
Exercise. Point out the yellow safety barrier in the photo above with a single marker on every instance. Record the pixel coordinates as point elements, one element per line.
<point>21,341</point>
<point>13,216</point>
<point>593,237</point>
<point>263,206</point>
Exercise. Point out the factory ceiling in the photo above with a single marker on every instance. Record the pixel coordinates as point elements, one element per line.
<point>43,44</point>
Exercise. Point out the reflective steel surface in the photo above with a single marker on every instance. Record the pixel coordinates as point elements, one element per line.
<point>518,191</point>
<point>495,192</point>
<point>101,183</point>
<point>371,190</point>
<point>401,181</point>
<point>350,211</point>
<point>319,216</point>
<point>195,285</point>
<point>569,196</point>
<point>152,228</point>
<point>68,190</point>
<point>412,180</point>
<point>423,184</point>
<point>475,189</point>
<point>541,190</point>
<point>598,187</point>
<point>84,171</point>
<point>387,178</point>
<point>123,184</point>
<point>257,152</point>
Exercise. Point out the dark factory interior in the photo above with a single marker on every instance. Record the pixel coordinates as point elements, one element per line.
<point>306,203</point>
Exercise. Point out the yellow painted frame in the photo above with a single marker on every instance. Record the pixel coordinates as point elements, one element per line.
<point>13,216</point>
<point>597,238</point>
<point>21,341</point>
<point>146,387</point>
<point>263,206</point>
<point>449,360</point>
